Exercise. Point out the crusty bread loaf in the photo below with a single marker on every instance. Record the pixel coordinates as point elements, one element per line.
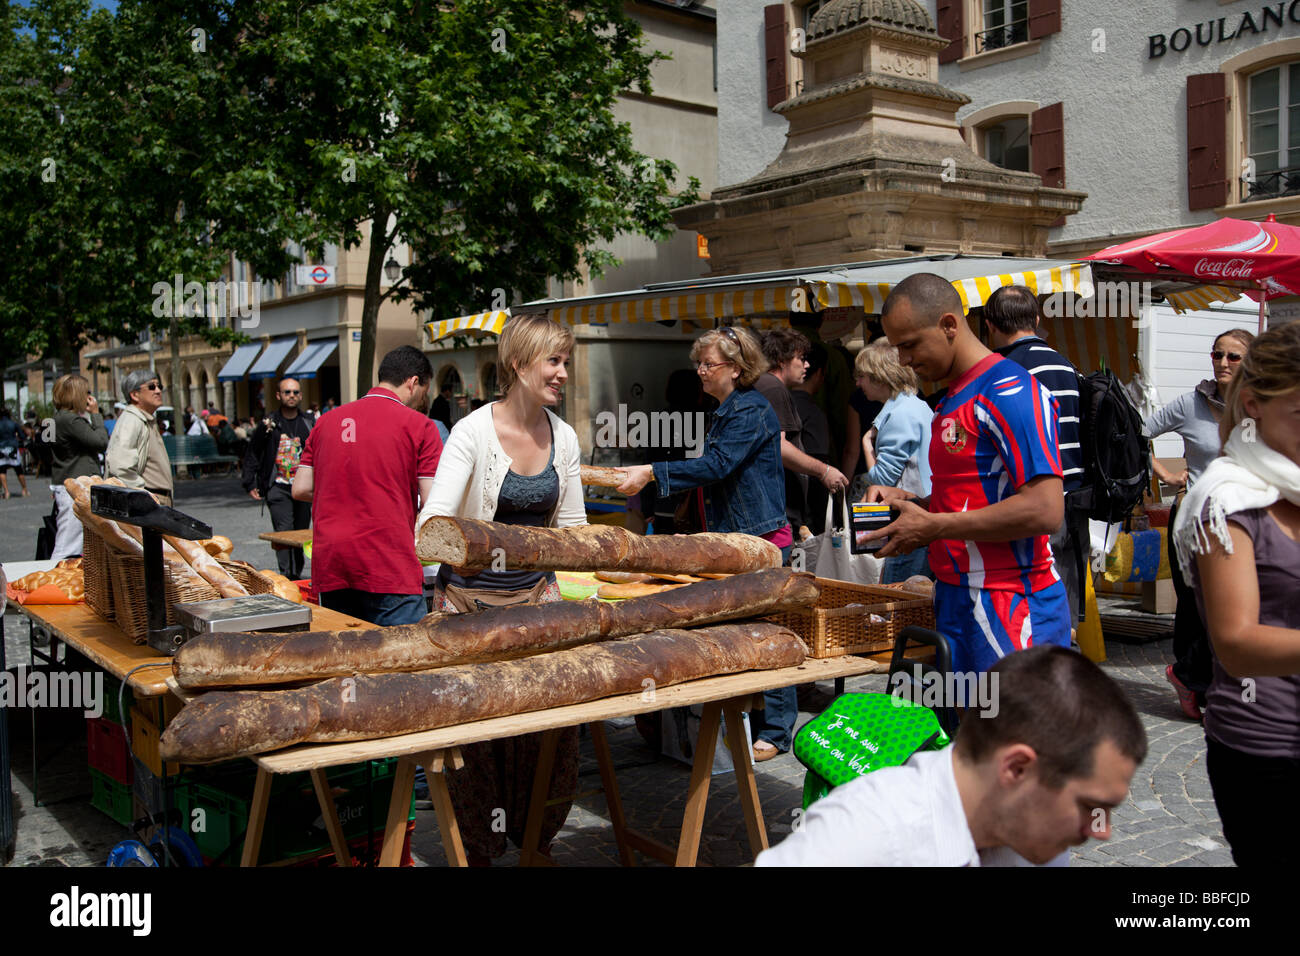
<point>282,586</point>
<point>622,592</point>
<point>602,477</point>
<point>250,660</point>
<point>622,577</point>
<point>472,545</point>
<point>227,724</point>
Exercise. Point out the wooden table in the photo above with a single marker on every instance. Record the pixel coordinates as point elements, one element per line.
<point>438,751</point>
<point>287,539</point>
<point>105,643</point>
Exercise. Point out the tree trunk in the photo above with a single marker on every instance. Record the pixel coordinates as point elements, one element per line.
<point>370,307</point>
<point>174,340</point>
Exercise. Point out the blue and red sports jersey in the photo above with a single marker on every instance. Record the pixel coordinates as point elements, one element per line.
<point>992,432</point>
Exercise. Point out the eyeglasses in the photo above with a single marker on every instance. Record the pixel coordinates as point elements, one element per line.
<point>710,366</point>
<point>1219,355</point>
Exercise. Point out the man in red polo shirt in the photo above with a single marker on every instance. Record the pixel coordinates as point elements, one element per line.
<point>365,468</point>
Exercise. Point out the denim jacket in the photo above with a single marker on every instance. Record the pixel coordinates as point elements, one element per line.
<point>739,469</point>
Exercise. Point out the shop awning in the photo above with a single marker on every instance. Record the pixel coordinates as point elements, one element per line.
<point>236,366</point>
<point>764,300</point>
<point>489,322</point>
<point>122,351</point>
<point>269,364</point>
<point>311,359</point>
<point>868,286</point>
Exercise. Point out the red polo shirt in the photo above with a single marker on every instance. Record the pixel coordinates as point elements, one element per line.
<point>367,458</point>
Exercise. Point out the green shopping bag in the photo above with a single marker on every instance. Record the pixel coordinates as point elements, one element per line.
<point>859,733</point>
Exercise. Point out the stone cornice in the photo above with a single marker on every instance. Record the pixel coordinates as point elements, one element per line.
<point>875,81</point>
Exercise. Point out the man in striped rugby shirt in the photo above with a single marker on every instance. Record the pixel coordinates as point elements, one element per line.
<point>1013,316</point>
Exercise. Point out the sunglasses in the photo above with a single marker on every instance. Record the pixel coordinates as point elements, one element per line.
<point>152,387</point>
<point>290,391</point>
<point>1218,355</point>
<point>730,333</point>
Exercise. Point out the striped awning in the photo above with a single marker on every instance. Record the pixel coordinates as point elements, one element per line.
<point>488,322</point>
<point>974,291</point>
<point>1201,297</point>
<point>767,305</point>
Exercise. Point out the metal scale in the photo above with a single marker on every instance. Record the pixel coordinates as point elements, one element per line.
<point>257,612</point>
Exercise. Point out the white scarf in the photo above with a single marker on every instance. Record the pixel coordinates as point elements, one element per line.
<point>1248,475</point>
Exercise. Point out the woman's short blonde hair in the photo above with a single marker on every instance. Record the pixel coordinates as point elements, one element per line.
<point>738,346</point>
<point>526,339</point>
<point>879,361</point>
<point>1270,370</point>
<point>71,392</point>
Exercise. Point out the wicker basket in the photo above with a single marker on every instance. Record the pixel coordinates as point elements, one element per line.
<point>97,570</point>
<point>832,629</point>
<point>131,603</point>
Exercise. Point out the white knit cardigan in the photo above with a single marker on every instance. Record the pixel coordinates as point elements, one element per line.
<point>474,465</point>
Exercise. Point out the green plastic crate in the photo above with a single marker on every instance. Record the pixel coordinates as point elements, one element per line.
<point>111,710</point>
<point>293,826</point>
<point>111,797</point>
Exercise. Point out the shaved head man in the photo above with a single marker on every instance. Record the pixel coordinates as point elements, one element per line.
<point>996,491</point>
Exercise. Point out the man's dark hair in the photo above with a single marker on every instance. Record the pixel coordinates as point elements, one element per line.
<point>401,363</point>
<point>1062,705</point>
<point>930,296</point>
<point>781,345</point>
<point>816,357</point>
<point>1013,308</point>
<point>812,321</point>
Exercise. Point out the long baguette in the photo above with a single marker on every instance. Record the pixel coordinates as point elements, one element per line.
<point>227,724</point>
<point>472,545</point>
<point>252,660</point>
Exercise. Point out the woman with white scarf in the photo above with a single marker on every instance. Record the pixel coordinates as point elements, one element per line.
<point>1238,536</point>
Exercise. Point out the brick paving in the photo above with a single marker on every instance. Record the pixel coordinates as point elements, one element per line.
<point>1169,818</point>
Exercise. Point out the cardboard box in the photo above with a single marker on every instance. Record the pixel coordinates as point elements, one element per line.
<point>1158,597</point>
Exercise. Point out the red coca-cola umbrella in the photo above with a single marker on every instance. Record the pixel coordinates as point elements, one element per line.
<point>1260,258</point>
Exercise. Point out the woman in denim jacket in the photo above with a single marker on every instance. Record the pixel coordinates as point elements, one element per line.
<point>741,474</point>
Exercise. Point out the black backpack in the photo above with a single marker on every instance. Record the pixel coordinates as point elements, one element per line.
<point>1116,456</point>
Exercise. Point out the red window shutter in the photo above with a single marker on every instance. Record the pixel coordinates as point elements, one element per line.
<point>950,26</point>
<point>1047,144</point>
<point>1207,140</point>
<point>1047,147</point>
<point>1044,18</point>
<point>774,32</point>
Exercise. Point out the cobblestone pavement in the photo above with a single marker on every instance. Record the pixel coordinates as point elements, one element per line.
<point>1169,818</point>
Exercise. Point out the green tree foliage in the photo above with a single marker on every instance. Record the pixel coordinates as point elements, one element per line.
<point>479,132</point>
<point>97,184</point>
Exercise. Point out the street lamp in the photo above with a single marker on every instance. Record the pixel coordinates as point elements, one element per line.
<point>392,269</point>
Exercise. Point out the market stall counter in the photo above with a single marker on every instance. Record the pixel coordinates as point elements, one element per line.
<point>438,752</point>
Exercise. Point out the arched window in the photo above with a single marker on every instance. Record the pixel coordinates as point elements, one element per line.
<point>1006,143</point>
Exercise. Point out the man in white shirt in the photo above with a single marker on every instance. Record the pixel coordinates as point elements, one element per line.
<point>1022,783</point>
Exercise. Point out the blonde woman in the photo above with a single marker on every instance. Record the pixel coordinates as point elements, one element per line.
<point>517,462</point>
<point>897,447</point>
<point>79,439</point>
<point>1237,536</point>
